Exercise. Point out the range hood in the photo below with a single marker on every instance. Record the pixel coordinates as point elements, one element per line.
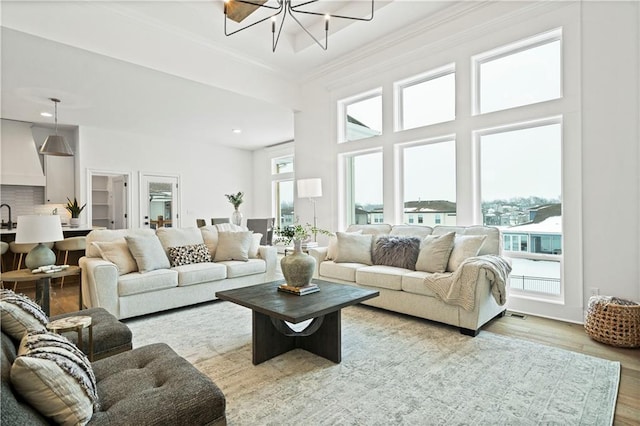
<point>19,157</point>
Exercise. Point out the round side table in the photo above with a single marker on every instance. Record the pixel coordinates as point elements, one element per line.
<point>77,323</point>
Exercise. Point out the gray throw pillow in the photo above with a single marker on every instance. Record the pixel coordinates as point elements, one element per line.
<point>148,252</point>
<point>434,252</point>
<point>233,246</point>
<point>398,251</point>
<point>353,248</point>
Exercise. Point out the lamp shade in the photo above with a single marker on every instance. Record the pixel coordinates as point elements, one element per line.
<point>309,188</point>
<point>38,229</point>
<point>56,145</point>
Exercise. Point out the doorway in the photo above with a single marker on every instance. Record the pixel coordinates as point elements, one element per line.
<point>108,199</point>
<point>159,201</point>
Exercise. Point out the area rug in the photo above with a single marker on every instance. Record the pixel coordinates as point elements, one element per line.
<point>395,370</point>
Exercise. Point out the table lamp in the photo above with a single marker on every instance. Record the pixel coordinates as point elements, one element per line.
<point>39,229</point>
<point>311,188</point>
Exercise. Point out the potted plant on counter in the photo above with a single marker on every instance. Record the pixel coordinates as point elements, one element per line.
<point>74,208</point>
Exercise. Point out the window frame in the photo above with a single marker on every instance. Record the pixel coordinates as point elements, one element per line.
<point>342,112</point>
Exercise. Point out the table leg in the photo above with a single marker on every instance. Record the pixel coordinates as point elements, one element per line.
<point>91,342</point>
<point>267,341</point>
<point>80,345</point>
<point>327,340</point>
<point>43,286</point>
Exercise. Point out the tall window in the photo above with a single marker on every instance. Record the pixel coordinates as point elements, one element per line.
<point>519,74</point>
<point>364,180</point>
<point>521,185</point>
<point>430,192</point>
<point>361,116</point>
<point>426,99</point>
<point>284,202</point>
<point>282,165</point>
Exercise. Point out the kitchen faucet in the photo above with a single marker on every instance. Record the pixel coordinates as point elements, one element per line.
<point>10,226</point>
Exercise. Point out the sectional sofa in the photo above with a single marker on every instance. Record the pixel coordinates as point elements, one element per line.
<point>133,272</point>
<point>404,289</point>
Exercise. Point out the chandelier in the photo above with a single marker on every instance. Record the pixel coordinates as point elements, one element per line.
<point>237,10</point>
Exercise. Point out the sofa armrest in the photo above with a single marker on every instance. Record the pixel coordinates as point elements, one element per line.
<point>319,254</point>
<point>270,255</point>
<point>100,284</point>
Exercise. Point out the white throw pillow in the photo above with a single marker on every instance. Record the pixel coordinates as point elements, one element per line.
<point>332,247</point>
<point>434,252</point>
<point>117,252</point>
<point>210,237</point>
<point>20,314</point>
<point>464,247</point>
<point>55,377</point>
<point>354,248</point>
<point>233,246</point>
<point>148,253</point>
<point>255,244</point>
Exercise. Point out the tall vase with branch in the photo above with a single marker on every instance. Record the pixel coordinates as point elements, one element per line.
<point>236,200</point>
<point>74,208</point>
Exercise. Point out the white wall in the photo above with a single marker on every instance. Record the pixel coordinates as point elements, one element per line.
<point>206,172</point>
<point>601,159</point>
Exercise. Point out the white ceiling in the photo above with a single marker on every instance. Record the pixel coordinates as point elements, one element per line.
<point>166,69</point>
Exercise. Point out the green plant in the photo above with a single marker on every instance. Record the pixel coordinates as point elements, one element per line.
<point>298,232</point>
<point>74,208</point>
<point>235,199</point>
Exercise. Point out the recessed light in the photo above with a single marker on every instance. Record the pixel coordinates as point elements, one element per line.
<point>236,131</point>
<point>46,114</point>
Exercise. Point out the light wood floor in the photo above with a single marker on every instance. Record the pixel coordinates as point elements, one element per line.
<point>541,330</point>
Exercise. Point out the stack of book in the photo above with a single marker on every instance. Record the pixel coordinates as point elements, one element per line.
<point>300,291</point>
<point>308,244</point>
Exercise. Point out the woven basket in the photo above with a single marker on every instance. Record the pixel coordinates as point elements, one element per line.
<point>613,321</point>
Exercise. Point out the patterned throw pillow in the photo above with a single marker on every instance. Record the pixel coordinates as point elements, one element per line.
<point>186,255</point>
<point>20,314</point>
<point>401,252</point>
<point>56,378</point>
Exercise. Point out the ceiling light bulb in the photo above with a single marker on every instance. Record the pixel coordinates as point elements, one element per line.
<point>236,131</point>
<point>46,114</point>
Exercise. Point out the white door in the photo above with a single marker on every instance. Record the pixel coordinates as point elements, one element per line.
<point>120,194</point>
<point>159,201</point>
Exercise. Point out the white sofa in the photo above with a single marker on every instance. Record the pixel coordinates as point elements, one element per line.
<point>112,285</point>
<point>403,290</point>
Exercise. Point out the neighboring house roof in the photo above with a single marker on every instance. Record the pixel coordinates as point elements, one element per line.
<point>550,225</point>
<point>545,211</point>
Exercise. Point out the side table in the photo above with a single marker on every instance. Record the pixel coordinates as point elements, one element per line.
<point>43,283</point>
<point>76,323</point>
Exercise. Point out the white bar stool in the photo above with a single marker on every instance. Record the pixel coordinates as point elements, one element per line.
<point>70,244</point>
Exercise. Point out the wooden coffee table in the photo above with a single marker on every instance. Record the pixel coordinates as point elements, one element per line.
<point>272,310</point>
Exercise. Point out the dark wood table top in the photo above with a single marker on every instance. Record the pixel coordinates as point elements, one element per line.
<point>266,299</point>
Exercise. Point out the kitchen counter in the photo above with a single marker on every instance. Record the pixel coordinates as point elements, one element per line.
<point>10,235</point>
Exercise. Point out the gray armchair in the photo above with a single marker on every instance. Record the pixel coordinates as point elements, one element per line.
<point>263,226</point>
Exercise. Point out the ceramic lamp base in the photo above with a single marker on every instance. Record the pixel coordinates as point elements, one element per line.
<point>40,255</point>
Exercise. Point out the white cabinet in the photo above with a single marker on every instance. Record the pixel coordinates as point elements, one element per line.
<point>60,179</point>
<point>101,202</point>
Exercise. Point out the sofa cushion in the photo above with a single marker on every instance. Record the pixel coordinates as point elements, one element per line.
<point>55,377</point>
<point>381,276</point>
<point>434,252</point>
<point>464,247</point>
<point>413,282</point>
<point>240,269</point>
<point>118,253</point>
<point>177,237</point>
<point>197,273</point>
<point>148,252</point>
<point>411,231</point>
<point>339,271</point>
<point>377,229</point>
<point>186,255</point>
<point>111,235</point>
<point>136,282</point>
<point>233,245</point>
<point>398,251</point>
<point>353,248</point>
<point>332,247</point>
<point>20,314</point>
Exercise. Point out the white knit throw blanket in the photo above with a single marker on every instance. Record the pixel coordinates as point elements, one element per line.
<point>462,290</point>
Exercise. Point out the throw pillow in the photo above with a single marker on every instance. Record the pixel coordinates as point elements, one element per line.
<point>117,252</point>
<point>255,244</point>
<point>354,248</point>
<point>332,248</point>
<point>398,251</point>
<point>229,227</point>
<point>210,237</point>
<point>148,253</point>
<point>464,247</point>
<point>434,252</point>
<point>178,237</point>
<point>19,314</point>
<point>233,246</point>
<point>55,377</point>
<point>186,255</point>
